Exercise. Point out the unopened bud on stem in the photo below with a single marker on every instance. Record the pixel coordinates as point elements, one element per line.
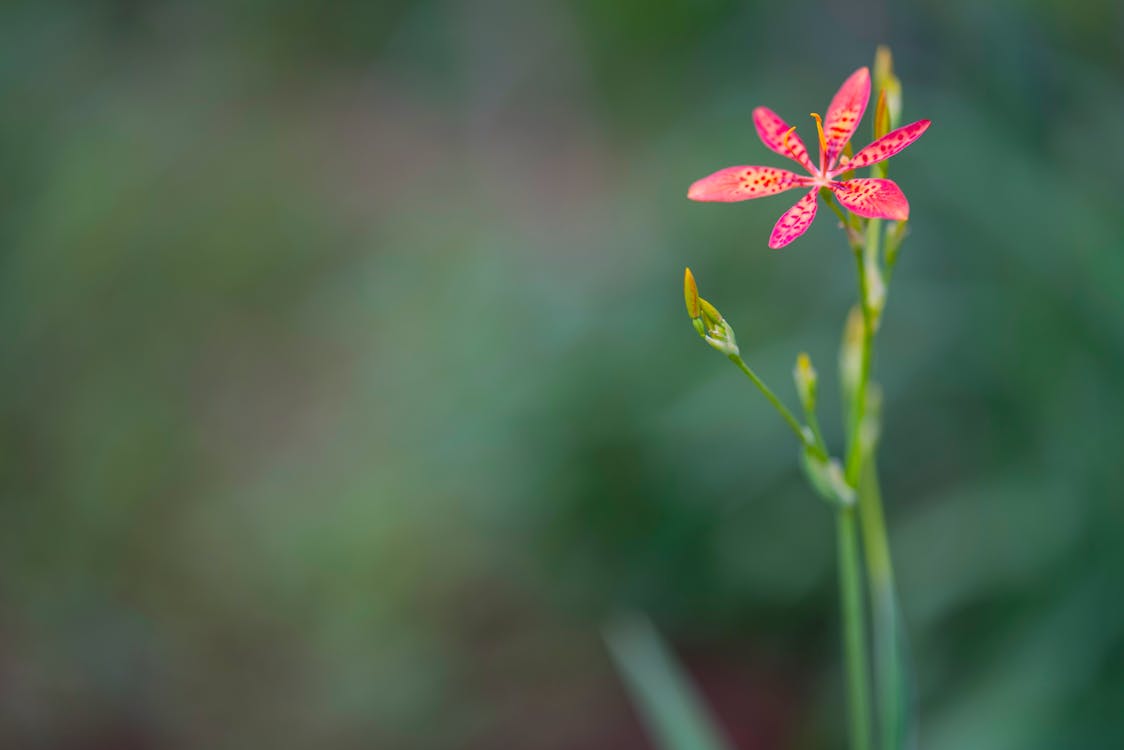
<point>826,477</point>
<point>881,116</point>
<point>709,323</point>
<point>875,291</point>
<point>871,428</point>
<point>718,334</point>
<point>804,376</point>
<point>691,294</point>
<point>851,352</point>
<point>885,81</point>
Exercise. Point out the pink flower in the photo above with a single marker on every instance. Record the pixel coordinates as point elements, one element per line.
<point>869,197</point>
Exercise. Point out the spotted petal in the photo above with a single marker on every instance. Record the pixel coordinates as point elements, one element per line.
<point>795,221</point>
<point>886,146</point>
<point>771,129</point>
<point>845,112</point>
<point>742,183</point>
<point>872,198</point>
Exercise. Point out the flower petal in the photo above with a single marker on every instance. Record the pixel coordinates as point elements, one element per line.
<point>872,198</point>
<point>742,183</point>
<point>845,112</point>
<point>886,146</point>
<point>771,129</point>
<point>795,221</point>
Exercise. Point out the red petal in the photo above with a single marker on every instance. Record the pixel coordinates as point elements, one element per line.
<point>771,129</point>
<point>845,112</point>
<point>795,221</point>
<point>872,198</point>
<point>742,183</point>
<point>886,146</point>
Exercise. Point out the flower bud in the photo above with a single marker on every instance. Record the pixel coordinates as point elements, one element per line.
<point>871,428</point>
<point>710,314</point>
<point>827,478</point>
<point>881,116</point>
<point>875,291</point>
<point>691,294</point>
<point>709,323</point>
<point>886,81</point>
<point>804,376</point>
<point>851,352</point>
<point>718,333</point>
<point>883,65</point>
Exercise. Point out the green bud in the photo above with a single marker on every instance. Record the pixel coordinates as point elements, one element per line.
<point>691,294</point>
<point>804,376</point>
<point>875,291</point>
<point>851,352</point>
<point>886,81</point>
<point>709,323</point>
<point>718,334</point>
<point>894,103</point>
<point>827,478</point>
<point>881,116</point>
<point>710,313</point>
<point>871,428</point>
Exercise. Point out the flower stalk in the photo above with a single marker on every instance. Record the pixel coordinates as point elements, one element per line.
<point>873,213</point>
<point>854,628</point>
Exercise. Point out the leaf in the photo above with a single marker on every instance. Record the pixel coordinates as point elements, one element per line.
<point>668,704</point>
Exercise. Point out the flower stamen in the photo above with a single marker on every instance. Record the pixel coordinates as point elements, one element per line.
<point>823,140</point>
<point>784,143</point>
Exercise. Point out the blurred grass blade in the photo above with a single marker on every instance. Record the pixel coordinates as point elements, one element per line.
<point>668,705</point>
<point>907,683</point>
<point>898,705</point>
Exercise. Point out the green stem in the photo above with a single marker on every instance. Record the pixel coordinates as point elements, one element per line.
<point>814,426</point>
<point>854,463</point>
<point>850,224</point>
<point>861,472</point>
<point>801,434</point>
<point>886,625</point>
<point>854,629</point>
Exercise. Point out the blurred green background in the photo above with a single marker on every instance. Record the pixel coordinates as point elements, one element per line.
<point>347,389</point>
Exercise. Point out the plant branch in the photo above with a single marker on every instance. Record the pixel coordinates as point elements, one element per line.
<point>807,440</point>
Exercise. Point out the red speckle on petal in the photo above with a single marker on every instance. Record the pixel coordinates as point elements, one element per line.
<point>888,145</point>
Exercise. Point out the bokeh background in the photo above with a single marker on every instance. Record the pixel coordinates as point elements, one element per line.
<point>347,392</point>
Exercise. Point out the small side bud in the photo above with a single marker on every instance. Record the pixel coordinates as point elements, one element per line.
<point>883,65</point>
<point>881,116</point>
<point>886,81</point>
<point>718,332</point>
<point>710,313</point>
<point>871,428</point>
<point>828,479</point>
<point>894,103</point>
<point>875,291</point>
<point>804,375</point>
<point>851,352</point>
